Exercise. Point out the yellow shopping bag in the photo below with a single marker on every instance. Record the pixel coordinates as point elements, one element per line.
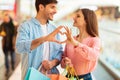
<point>71,73</point>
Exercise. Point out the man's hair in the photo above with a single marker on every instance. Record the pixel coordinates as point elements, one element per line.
<point>43,2</point>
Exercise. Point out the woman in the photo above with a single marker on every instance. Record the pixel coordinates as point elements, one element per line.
<point>82,51</point>
<point>8,30</point>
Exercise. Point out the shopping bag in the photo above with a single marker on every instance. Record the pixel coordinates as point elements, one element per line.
<point>57,77</point>
<point>33,74</point>
<point>71,73</point>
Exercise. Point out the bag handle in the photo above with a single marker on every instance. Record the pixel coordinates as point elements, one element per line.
<point>42,70</point>
<point>71,72</point>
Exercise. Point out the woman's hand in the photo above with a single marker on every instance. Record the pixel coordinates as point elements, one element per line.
<point>67,61</point>
<point>70,38</point>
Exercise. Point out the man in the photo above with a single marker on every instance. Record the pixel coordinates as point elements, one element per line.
<point>33,37</point>
<point>7,31</point>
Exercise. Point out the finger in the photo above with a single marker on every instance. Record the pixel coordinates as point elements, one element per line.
<point>66,29</point>
<point>45,62</point>
<point>47,67</point>
<point>57,29</point>
<point>70,31</point>
<point>60,27</point>
<point>57,41</point>
<point>62,33</point>
<point>67,59</point>
<point>63,42</point>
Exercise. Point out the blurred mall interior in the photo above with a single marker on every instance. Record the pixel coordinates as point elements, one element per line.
<point>108,14</point>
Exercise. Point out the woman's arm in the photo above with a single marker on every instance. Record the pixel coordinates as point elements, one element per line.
<point>89,53</point>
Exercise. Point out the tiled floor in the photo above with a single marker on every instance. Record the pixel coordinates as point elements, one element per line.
<point>2,66</point>
<point>2,69</point>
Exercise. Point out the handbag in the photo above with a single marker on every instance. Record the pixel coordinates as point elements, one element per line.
<point>3,33</point>
<point>33,74</point>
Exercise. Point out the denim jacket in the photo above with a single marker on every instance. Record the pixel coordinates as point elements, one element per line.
<point>29,31</point>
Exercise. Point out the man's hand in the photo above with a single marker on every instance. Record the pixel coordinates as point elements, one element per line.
<point>43,70</point>
<point>47,64</point>
<point>51,36</point>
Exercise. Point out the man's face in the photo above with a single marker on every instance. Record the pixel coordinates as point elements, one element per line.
<point>49,11</point>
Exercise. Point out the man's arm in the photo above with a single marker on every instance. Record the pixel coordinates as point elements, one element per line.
<point>35,43</point>
<point>47,65</point>
<point>49,37</point>
<point>24,44</point>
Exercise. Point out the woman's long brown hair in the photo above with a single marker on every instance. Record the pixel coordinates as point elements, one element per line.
<point>91,22</point>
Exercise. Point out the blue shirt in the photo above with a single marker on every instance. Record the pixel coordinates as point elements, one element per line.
<point>29,31</point>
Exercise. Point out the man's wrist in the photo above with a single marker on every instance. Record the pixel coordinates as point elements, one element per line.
<point>54,62</point>
<point>75,43</point>
<point>44,39</point>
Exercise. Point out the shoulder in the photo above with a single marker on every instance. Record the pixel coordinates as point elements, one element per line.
<point>95,40</point>
<point>26,24</point>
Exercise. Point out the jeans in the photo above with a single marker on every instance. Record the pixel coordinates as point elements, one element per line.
<point>86,76</point>
<point>12,55</point>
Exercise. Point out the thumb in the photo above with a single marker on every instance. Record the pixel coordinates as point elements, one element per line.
<point>57,41</point>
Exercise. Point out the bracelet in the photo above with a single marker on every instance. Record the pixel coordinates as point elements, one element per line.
<point>76,45</point>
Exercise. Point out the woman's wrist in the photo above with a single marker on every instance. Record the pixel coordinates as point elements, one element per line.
<point>75,43</point>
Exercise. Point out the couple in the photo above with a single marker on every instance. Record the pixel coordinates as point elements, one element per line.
<point>38,42</point>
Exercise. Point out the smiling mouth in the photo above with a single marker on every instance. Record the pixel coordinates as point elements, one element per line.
<point>74,22</point>
<point>52,15</point>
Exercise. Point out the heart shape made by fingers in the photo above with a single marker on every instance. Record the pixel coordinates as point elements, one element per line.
<point>52,36</point>
<point>63,37</point>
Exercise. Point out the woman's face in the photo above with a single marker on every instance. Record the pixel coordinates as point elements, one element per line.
<point>79,19</point>
<point>6,18</point>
